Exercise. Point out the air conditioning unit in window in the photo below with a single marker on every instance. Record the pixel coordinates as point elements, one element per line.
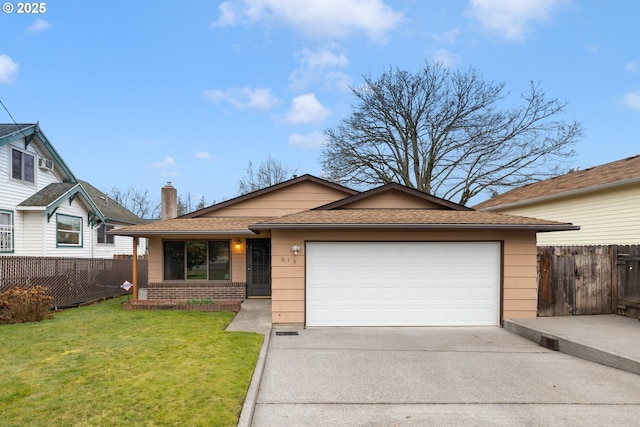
<point>45,164</point>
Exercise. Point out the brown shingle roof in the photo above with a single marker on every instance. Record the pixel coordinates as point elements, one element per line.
<point>407,218</point>
<point>214,225</point>
<point>111,209</point>
<point>616,173</point>
<point>345,218</point>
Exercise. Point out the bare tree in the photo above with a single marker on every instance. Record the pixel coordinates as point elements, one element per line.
<point>141,204</point>
<point>448,134</point>
<point>201,204</point>
<point>137,201</point>
<point>270,172</point>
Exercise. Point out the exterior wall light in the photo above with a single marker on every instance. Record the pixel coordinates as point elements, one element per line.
<point>238,244</point>
<point>295,249</point>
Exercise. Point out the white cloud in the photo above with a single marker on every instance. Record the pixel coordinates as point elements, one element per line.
<point>446,58</point>
<point>512,19</point>
<point>315,18</point>
<point>592,48</point>
<point>8,70</point>
<point>336,80</point>
<point>310,140</point>
<point>449,36</point>
<point>306,109</point>
<point>633,66</point>
<point>167,162</point>
<point>38,26</point>
<point>203,155</point>
<point>245,98</point>
<point>314,66</point>
<point>631,100</point>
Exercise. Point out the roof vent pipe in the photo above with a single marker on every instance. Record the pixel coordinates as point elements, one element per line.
<point>169,202</point>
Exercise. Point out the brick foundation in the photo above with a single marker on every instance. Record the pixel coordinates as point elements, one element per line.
<point>226,305</point>
<point>190,291</point>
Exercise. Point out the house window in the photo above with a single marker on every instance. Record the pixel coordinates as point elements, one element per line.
<point>69,230</point>
<point>197,260</point>
<point>22,166</point>
<point>103,237</point>
<point>6,231</point>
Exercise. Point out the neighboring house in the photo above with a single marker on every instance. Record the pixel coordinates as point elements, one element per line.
<point>604,200</point>
<point>44,209</point>
<point>107,245</point>
<point>331,256</point>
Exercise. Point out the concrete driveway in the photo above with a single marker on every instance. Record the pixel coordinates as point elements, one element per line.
<point>435,376</point>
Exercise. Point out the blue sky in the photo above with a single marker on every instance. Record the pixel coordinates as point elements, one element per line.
<point>138,93</point>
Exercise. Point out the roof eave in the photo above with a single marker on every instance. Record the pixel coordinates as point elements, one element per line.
<point>36,131</point>
<point>117,232</point>
<point>570,193</point>
<point>536,227</point>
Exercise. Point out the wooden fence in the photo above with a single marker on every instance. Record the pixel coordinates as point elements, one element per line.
<point>574,280</point>
<point>71,281</point>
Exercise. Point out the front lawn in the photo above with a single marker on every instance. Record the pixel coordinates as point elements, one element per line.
<point>103,366</point>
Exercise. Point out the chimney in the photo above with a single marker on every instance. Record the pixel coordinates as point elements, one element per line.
<point>169,202</point>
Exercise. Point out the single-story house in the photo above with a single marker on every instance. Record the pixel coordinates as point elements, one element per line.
<point>604,200</point>
<point>328,255</point>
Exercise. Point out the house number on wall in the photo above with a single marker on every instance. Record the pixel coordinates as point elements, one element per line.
<point>289,260</point>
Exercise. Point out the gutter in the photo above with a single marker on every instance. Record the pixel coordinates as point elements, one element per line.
<point>536,227</point>
<point>144,233</point>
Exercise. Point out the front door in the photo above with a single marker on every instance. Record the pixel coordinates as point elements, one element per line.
<point>258,267</point>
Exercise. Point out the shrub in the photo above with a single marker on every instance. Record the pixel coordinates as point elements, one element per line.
<point>200,301</point>
<point>20,305</point>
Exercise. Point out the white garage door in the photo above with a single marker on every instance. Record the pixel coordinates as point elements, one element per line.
<point>402,283</point>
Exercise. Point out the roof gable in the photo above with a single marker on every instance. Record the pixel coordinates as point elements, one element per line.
<point>393,196</point>
<point>32,134</point>
<point>294,195</point>
<point>618,173</point>
<point>53,195</point>
<point>112,210</point>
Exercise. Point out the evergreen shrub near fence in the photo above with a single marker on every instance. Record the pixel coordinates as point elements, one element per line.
<point>70,281</point>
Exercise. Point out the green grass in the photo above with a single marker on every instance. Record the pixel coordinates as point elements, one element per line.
<point>103,366</point>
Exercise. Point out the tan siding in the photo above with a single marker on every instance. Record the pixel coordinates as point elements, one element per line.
<point>605,217</point>
<point>287,306</point>
<point>287,317</point>
<point>287,294</point>
<point>520,294</point>
<point>393,199</point>
<point>519,270</point>
<point>155,259</point>
<point>519,281</point>
<point>296,198</point>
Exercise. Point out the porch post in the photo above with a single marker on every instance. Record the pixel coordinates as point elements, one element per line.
<point>135,268</point>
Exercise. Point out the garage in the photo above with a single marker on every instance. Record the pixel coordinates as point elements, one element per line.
<point>403,283</point>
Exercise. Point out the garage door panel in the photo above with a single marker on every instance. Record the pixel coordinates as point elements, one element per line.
<point>395,284</point>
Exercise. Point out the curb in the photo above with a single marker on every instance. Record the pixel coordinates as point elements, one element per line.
<point>574,348</point>
<point>246,415</point>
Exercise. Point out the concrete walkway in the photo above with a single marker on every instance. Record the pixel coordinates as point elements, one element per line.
<point>608,339</point>
<point>254,316</point>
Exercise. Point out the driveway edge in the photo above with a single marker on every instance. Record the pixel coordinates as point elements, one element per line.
<point>575,347</point>
<point>246,415</point>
